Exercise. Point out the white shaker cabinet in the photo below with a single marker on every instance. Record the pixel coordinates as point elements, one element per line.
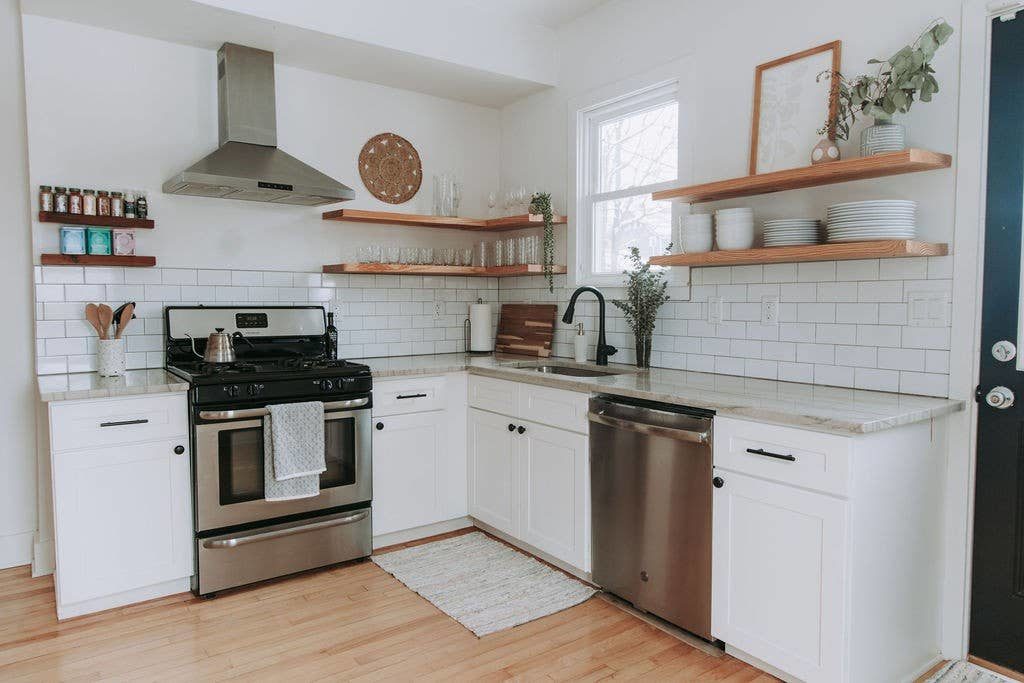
<point>419,457</point>
<point>122,505</point>
<point>409,477</point>
<point>529,471</point>
<point>826,552</point>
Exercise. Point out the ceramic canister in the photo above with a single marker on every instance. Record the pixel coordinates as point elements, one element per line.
<point>110,357</point>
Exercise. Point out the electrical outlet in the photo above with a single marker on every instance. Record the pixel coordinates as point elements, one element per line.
<point>769,310</point>
<point>927,309</point>
<point>437,310</point>
<point>715,310</point>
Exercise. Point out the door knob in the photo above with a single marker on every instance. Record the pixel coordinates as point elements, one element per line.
<point>999,397</point>
<point>718,482</point>
<point>380,426</point>
<point>521,430</point>
<point>178,450</point>
<point>511,427</point>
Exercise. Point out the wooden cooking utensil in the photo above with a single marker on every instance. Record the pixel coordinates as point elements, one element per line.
<point>126,317</point>
<point>106,314</point>
<point>92,315</point>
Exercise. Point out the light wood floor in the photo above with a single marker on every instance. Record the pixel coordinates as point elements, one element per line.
<point>345,623</point>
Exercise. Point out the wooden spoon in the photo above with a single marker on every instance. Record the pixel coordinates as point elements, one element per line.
<point>92,315</point>
<point>126,317</point>
<point>106,314</point>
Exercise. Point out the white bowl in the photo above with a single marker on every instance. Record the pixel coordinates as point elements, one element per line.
<point>697,243</point>
<point>732,242</point>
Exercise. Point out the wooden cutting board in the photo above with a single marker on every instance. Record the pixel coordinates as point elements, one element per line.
<point>526,329</point>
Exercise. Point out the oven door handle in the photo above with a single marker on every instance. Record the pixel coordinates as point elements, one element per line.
<point>268,535</point>
<point>260,412</point>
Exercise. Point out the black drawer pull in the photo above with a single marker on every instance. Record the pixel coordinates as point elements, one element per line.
<point>769,454</point>
<point>123,423</point>
<point>401,396</point>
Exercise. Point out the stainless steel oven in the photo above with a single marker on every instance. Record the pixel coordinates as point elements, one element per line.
<point>229,465</point>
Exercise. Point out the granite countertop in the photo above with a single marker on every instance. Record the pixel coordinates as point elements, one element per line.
<point>82,385</point>
<point>820,408</point>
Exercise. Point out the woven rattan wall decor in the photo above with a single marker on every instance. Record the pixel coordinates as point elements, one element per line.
<point>390,168</point>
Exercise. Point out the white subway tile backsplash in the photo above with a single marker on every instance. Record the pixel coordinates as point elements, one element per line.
<point>62,275</point>
<point>923,383</point>
<point>838,323</point>
<point>903,269</point>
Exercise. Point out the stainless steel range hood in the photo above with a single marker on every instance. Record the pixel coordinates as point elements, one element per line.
<point>248,165</point>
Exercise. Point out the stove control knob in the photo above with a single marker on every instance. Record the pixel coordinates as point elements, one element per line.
<point>255,389</point>
<point>326,385</point>
<point>233,391</point>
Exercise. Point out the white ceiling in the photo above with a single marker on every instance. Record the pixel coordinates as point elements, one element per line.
<point>550,13</point>
<point>486,52</point>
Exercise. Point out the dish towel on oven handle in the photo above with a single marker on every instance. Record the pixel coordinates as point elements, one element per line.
<point>293,450</point>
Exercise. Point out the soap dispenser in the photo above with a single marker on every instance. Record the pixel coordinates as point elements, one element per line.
<point>580,345</point>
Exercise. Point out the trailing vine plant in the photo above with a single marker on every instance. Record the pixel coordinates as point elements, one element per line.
<point>541,203</point>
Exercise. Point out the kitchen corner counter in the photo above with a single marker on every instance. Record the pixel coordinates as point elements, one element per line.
<point>819,408</point>
<point>85,385</point>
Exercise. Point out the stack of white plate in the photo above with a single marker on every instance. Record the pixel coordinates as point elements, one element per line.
<point>734,228</point>
<point>786,232</point>
<point>882,219</point>
<point>695,233</point>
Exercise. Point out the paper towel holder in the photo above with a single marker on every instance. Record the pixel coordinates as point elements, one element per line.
<point>467,337</point>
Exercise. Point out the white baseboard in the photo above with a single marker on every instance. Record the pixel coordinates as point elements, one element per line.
<point>43,559</point>
<point>757,663</point>
<point>16,549</point>
<point>158,590</point>
<point>414,534</point>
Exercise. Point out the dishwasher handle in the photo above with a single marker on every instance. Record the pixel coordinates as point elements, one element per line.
<point>647,429</point>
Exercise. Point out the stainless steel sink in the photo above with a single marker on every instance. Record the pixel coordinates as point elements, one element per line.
<point>570,371</point>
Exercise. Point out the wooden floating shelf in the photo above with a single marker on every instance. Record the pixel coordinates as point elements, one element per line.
<point>453,223</point>
<point>97,260</point>
<point>845,251</point>
<point>467,271</point>
<point>861,168</point>
<point>96,221</point>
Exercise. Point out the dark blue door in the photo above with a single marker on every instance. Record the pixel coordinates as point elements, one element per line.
<point>997,595</point>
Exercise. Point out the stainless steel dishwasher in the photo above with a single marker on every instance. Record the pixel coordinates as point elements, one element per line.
<point>651,481</point>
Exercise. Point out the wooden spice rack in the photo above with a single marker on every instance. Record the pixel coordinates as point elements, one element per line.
<point>97,260</point>
<point>96,221</point>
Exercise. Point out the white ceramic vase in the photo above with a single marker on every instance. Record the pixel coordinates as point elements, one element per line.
<point>111,360</point>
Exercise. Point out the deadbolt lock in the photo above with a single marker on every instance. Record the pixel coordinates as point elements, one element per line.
<point>999,397</point>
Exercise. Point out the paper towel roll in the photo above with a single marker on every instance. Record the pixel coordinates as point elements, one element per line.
<point>480,328</point>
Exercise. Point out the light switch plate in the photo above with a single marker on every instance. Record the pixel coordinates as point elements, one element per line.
<point>715,310</point>
<point>928,309</point>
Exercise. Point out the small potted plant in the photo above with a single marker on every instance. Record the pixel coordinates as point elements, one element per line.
<point>900,80</point>
<point>645,293</point>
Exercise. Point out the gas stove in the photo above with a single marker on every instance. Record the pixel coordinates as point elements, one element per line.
<point>283,355</point>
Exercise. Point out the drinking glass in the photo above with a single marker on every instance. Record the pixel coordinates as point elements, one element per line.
<point>410,255</point>
<point>492,201</point>
<point>392,254</point>
<point>510,251</point>
<point>363,255</point>
<point>448,256</point>
<point>426,256</point>
<point>466,256</point>
<point>499,253</point>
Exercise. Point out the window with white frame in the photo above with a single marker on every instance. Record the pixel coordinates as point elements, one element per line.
<point>627,148</point>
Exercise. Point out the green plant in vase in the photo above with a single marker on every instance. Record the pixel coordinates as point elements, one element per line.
<point>902,79</point>
<point>540,203</point>
<point>646,291</point>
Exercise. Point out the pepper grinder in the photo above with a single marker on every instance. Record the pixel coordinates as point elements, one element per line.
<point>580,344</point>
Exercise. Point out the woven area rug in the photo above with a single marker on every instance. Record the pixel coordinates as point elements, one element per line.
<point>965,672</point>
<point>484,585</point>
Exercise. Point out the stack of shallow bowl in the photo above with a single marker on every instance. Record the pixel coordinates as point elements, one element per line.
<point>882,219</point>
<point>788,232</point>
<point>734,228</point>
<point>696,237</point>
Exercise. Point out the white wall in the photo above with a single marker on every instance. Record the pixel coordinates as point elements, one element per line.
<point>17,390</point>
<point>134,111</point>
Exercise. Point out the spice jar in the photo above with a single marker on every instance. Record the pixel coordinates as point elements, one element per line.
<point>74,200</point>
<point>129,204</point>
<point>141,205</point>
<point>89,202</point>
<point>102,203</point>
<point>46,198</point>
<point>116,204</point>
<point>60,200</point>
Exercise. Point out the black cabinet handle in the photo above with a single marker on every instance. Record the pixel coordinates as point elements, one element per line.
<point>178,450</point>
<point>511,427</point>
<point>122,423</point>
<point>769,454</point>
<point>718,482</point>
<point>380,426</point>
<point>411,396</point>
<point>521,430</point>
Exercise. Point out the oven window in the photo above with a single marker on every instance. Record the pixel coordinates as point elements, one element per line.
<point>240,460</point>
